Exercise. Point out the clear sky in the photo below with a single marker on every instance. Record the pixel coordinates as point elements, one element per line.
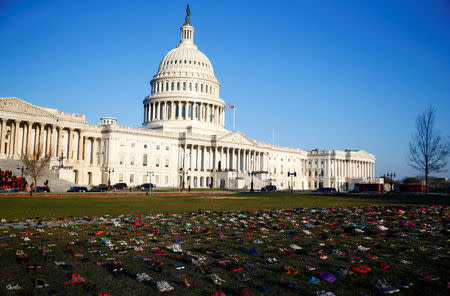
<point>322,74</point>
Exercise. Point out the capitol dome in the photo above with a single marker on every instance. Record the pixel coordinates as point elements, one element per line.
<point>184,91</point>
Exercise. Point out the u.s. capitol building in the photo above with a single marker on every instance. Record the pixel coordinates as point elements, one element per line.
<point>182,140</point>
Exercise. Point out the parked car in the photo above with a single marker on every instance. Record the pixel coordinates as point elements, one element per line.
<point>269,188</point>
<point>145,186</point>
<point>325,190</point>
<point>77,189</point>
<point>42,189</point>
<point>99,188</point>
<point>120,186</point>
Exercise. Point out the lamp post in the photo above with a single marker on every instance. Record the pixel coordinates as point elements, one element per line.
<point>109,171</point>
<point>391,176</point>
<point>150,174</point>
<point>252,173</point>
<point>294,174</point>
<point>21,177</point>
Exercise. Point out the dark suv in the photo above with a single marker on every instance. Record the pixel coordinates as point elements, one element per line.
<point>145,186</point>
<point>77,189</point>
<point>269,188</point>
<point>42,189</point>
<point>99,188</point>
<point>120,186</point>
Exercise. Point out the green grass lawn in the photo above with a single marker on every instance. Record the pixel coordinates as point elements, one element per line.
<point>231,234</point>
<point>79,205</point>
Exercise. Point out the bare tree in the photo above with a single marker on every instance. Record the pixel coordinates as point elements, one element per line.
<point>428,151</point>
<point>36,163</point>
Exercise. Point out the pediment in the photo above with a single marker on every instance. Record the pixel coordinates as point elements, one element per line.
<point>15,105</point>
<point>236,138</point>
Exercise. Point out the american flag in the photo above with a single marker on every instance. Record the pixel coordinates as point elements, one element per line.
<point>231,106</point>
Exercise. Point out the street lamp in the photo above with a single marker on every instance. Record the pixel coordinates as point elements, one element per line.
<point>150,174</point>
<point>391,176</point>
<point>109,171</point>
<point>21,178</point>
<point>294,174</point>
<point>252,173</point>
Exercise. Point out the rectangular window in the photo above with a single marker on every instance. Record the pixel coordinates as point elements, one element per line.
<point>132,160</point>
<point>157,163</point>
<point>167,163</point>
<point>121,177</point>
<point>144,160</point>
<point>121,159</point>
<point>131,178</point>
<point>166,180</point>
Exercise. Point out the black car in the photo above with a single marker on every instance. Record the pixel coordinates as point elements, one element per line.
<point>99,188</point>
<point>145,186</point>
<point>77,189</point>
<point>325,190</point>
<point>42,189</point>
<point>269,188</point>
<point>120,186</point>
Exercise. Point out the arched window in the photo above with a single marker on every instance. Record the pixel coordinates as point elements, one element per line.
<point>201,87</point>
<point>177,110</point>
<point>173,85</point>
<point>196,86</point>
<point>184,85</point>
<point>167,86</point>
<point>175,61</point>
<point>190,86</point>
<point>183,111</point>
<point>178,85</point>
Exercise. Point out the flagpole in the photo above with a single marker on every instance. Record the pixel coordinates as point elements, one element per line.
<point>234,119</point>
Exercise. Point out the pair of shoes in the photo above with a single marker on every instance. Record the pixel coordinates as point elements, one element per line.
<point>179,266</point>
<point>143,277</point>
<point>383,265</point>
<point>289,269</point>
<point>40,283</point>
<point>271,260</point>
<point>324,293</point>
<point>310,268</point>
<point>288,285</point>
<point>295,247</point>
<point>34,269</point>
<point>216,279</point>
<point>426,276</point>
<point>13,287</point>
<point>243,278</point>
<point>266,288</point>
<point>361,269</point>
<point>328,277</point>
<point>314,281</point>
<point>404,284</point>
<point>382,287</point>
<point>344,271</point>
<point>188,284</point>
<point>163,286</point>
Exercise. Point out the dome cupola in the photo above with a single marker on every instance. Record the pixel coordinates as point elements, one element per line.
<point>184,92</point>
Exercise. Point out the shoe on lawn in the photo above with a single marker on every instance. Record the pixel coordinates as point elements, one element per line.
<point>382,287</point>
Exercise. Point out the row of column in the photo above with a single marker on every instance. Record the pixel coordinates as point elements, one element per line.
<point>199,158</point>
<point>354,169</point>
<point>180,110</point>
<point>18,137</point>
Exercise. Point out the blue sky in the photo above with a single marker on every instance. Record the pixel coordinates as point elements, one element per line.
<point>322,74</point>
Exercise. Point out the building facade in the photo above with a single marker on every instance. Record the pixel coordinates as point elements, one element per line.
<point>182,141</point>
